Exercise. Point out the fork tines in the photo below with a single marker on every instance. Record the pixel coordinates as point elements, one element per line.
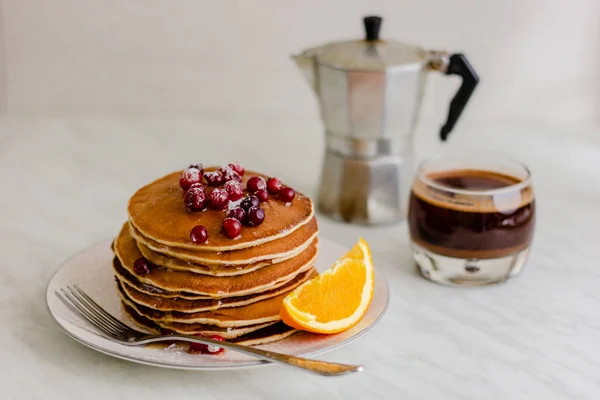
<point>82,304</point>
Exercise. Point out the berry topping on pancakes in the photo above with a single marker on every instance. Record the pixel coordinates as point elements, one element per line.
<point>255,184</point>
<point>141,266</point>
<point>287,194</point>
<point>199,234</point>
<point>201,348</point>
<point>237,168</point>
<point>255,216</point>
<point>274,186</point>
<point>234,189</point>
<point>189,177</point>
<point>230,175</point>
<point>232,228</point>
<point>262,195</point>
<point>219,199</point>
<point>249,202</point>
<point>199,167</point>
<point>195,199</point>
<point>237,213</point>
<point>214,178</point>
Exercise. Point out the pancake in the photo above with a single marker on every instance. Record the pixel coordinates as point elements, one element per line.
<point>230,287</point>
<point>192,306</point>
<point>158,213</point>
<point>125,276</point>
<point>267,334</point>
<point>196,329</point>
<point>177,264</point>
<point>252,314</point>
<point>215,263</point>
<point>263,279</point>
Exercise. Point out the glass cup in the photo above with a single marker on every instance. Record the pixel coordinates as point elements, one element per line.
<point>471,219</point>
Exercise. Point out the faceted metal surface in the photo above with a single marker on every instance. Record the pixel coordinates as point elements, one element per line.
<point>365,104</point>
<point>364,55</point>
<point>370,94</point>
<point>368,192</point>
<point>370,105</point>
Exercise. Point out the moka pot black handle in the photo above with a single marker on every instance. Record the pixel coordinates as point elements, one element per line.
<point>459,65</point>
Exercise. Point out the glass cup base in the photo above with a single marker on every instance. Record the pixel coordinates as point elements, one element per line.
<point>468,271</point>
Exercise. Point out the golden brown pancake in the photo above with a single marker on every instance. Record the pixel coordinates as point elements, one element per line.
<point>263,279</point>
<point>266,334</point>
<point>125,276</point>
<point>191,306</point>
<point>269,334</point>
<point>195,329</point>
<point>230,287</point>
<point>157,211</point>
<point>221,263</point>
<point>259,312</point>
<point>177,264</point>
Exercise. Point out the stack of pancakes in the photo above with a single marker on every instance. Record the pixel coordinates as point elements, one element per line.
<point>230,287</point>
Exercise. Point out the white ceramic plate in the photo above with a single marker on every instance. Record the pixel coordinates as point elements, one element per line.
<point>92,271</point>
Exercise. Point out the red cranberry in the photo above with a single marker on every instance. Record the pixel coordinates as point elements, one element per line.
<point>199,347</point>
<point>287,194</point>
<point>207,348</point>
<point>262,195</point>
<point>214,178</point>
<point>199,186</point>
<point>195,185</point>
<point>195,199</point>
<point>141,266</point>
<point>255,184</point>
<point>234,189</point>
<point>230,175</point>
<point>199,167</point>
<point>218,199</point>
<point>274,186</point>
<point>232,227</point>
<point>255,216</point>
<point>199,234</point>
<point>213,349</point>
<point>237,168</point>
<point>189,177</point>
<point>237,213</point>
<point>249,202</point>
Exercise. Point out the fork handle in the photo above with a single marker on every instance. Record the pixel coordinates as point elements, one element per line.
<point>315,366</point>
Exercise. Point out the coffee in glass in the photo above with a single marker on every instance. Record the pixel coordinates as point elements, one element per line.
<point>471,219</point>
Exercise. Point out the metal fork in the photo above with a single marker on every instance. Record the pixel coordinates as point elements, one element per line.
<point>81,304</point>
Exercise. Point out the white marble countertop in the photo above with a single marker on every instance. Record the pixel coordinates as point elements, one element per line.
<point>65,183</point>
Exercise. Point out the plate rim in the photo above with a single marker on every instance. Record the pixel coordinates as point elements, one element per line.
<point>239,365</point>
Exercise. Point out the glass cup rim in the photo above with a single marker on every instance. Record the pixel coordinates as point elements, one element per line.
<point>487,192</point>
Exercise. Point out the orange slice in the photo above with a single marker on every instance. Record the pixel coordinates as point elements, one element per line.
<point>336,299</point>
